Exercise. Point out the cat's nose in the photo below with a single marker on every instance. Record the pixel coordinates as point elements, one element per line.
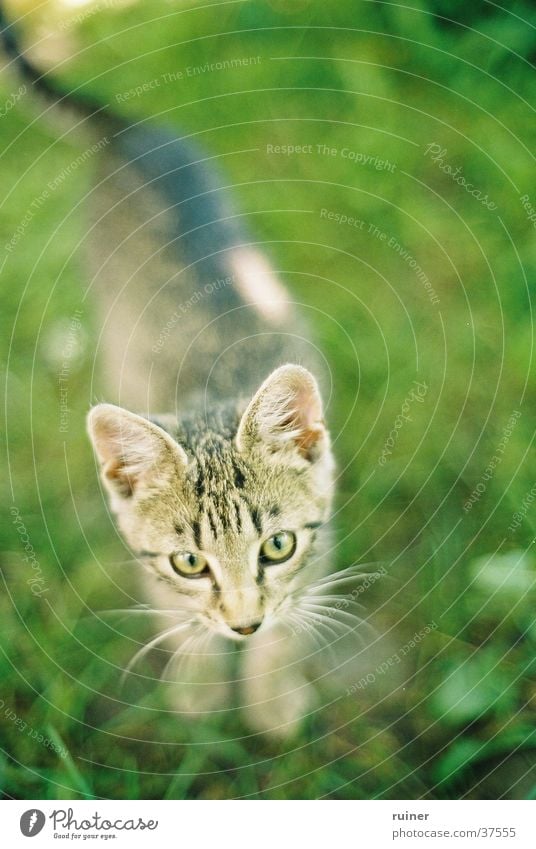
<point>248,629</point>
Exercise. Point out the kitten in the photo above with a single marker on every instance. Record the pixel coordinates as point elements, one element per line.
<point>223,487</point>
<point>222,479</point>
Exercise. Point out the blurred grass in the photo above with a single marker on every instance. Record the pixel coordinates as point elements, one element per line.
<point>386,81</point>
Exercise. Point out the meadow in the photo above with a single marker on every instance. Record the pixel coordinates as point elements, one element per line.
<point>384,157</point>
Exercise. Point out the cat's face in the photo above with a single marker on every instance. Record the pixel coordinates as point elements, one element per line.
<point>225,510</point>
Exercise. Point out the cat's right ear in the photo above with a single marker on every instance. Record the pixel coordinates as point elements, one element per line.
<point>135,454</point>
<point>285,417</point>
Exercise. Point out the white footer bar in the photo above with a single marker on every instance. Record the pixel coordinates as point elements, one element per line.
<point>269,824</point>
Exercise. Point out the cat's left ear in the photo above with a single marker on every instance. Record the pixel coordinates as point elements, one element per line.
<point>285,416</point>
<point>135,454</point>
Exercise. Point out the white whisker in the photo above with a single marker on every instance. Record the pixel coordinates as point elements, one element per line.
<point>310,629</point>
<point>353,622</point>
<point>154,642</point>
<point>323,621</point>
<point>333,612</point>
<point>185,652</point>
<point>335,581</point>
<point>155,611</point>
<point>343,576</point>
<point>347,621</point>
<point>182,653</point>
<point>333,602</point>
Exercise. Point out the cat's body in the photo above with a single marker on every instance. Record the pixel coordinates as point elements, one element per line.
<point>193,320</point>
<point>222,478</point>
<point>190,306</point>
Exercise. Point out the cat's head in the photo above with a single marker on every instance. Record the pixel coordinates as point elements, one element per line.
<point>225,507</point>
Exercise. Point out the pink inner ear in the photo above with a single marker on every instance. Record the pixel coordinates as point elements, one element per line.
<point>126,445</point>
<point>286,411</point>
<point>308,439</point>
<point>116,473</point>
<point>133,451</point>
<point>305,420</point>
<point>118,467</point>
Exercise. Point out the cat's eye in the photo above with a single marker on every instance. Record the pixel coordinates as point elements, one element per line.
<point>189,565</point>
<point>278,548</point>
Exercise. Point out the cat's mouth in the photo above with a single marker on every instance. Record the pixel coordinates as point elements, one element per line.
<point>234,632</point>
<point>246,630</point>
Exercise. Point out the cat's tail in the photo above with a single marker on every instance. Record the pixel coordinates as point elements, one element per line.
<point>179,170</point>
<point>41,83</point>
<point>174,227</point>
<point>11,47</point>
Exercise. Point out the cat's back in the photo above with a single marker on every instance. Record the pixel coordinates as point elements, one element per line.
<point>188,304</point>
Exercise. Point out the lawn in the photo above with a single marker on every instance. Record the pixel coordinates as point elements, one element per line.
<point>384,157</point>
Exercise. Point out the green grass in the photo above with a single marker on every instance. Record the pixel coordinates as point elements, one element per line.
<point>386,82</point>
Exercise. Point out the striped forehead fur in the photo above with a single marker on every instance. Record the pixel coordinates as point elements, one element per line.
<point>231,492</point>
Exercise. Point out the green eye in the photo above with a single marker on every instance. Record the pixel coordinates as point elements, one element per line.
<point>278,548</point>
<point>189,565</point>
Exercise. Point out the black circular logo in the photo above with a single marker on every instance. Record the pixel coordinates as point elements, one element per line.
<point>31,822</point>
